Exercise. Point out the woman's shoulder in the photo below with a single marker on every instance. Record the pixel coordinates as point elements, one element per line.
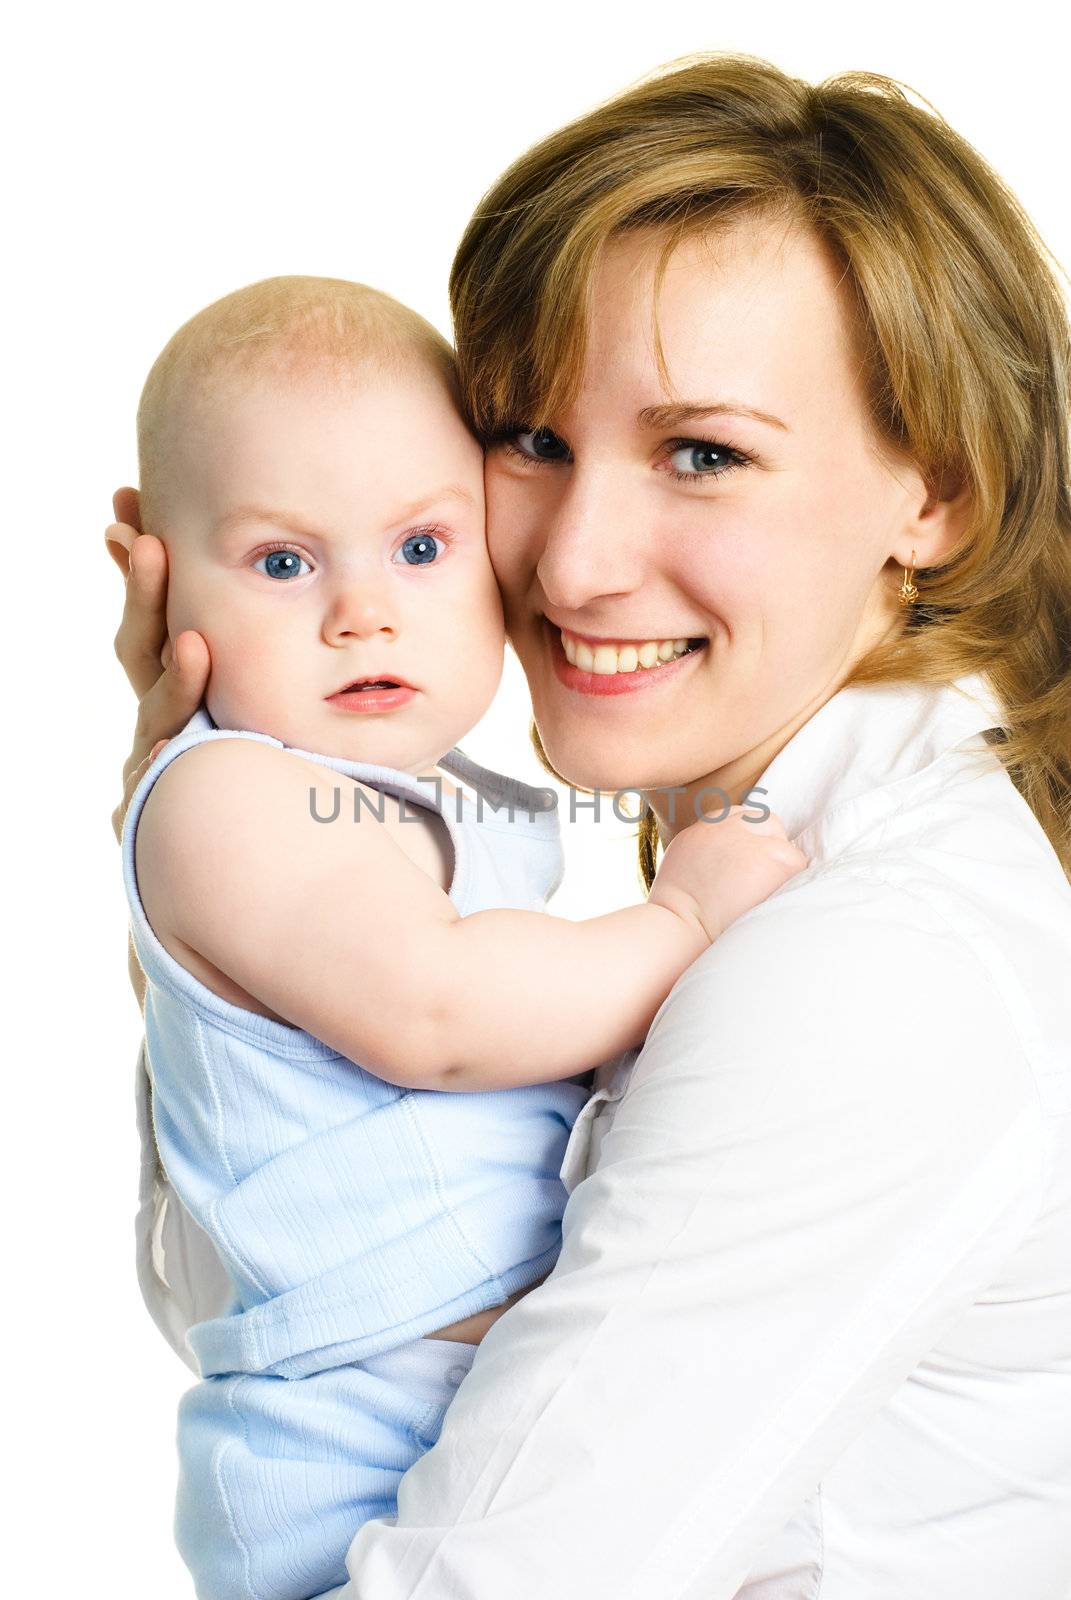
<point>954,857</point>
<point>966,864</point>
<point>836,1006</point>
<point>887,965</point>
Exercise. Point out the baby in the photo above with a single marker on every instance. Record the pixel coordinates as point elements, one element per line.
<point>340,919</point>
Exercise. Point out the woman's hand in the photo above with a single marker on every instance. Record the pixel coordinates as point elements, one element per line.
<point>168,678</point>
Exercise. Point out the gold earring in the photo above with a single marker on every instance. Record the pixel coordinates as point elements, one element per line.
<point>908,592</point>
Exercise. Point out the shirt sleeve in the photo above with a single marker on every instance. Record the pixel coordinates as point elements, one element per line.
<point>829,1144</point>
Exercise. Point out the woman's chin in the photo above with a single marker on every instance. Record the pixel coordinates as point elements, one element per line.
<point>584,763</point>
<point>602,723</point>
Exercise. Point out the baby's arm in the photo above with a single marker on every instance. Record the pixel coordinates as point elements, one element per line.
<point>335,929</point>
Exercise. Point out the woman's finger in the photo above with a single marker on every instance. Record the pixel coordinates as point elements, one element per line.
<point>169,704</point>
<point>131,779</point>
<point>126,505</point>
<point>143,628</point>
<point>132,776</point>
<point>165,709</point>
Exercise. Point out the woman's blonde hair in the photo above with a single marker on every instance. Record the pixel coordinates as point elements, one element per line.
<point>958,306</point>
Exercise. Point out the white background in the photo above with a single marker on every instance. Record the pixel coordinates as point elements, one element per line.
<point>158,157</point>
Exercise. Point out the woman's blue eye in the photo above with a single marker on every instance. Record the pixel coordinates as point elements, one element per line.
<point>542,444</point>
<point>420,549</point>
<point>703,460</point>
<point>282,564</point>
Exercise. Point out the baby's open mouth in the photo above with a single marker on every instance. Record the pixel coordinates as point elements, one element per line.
<point>356,685</point>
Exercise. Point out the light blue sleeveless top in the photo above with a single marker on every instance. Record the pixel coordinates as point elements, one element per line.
<point>352,1215</point>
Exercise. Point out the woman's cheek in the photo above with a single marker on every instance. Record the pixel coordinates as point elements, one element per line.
<point>513,523</point>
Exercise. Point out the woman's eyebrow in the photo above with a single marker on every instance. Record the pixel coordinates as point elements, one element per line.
<point>689,411</point>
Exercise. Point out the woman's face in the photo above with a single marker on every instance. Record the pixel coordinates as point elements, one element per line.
<point>654,513</point>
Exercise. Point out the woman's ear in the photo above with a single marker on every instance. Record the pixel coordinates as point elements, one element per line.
<point>942,519</point>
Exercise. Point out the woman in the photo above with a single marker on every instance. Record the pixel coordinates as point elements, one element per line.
<point>781,369</point>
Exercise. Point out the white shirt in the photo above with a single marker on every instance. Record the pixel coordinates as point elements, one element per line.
<point>810,1331</point>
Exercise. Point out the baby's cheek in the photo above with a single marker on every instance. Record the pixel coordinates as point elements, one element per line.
<point>191,603</point>
<point>248,687</point>
<point>182,612</point>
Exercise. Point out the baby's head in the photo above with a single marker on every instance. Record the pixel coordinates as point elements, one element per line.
<point>304,460</point>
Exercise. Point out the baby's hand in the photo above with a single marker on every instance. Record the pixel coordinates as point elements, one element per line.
<point>712,872</point>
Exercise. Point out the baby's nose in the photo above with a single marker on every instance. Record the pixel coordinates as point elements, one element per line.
<point>359,609</point>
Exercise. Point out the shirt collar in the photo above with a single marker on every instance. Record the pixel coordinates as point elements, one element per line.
<point>867,737</point>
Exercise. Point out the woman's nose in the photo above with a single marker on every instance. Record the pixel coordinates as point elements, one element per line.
<point>359,609</point>
<point>593,544</point>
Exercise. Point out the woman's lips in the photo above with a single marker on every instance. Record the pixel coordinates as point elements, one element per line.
<point>613,683</point>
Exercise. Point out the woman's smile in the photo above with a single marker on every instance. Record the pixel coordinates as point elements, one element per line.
<point>604,669</point>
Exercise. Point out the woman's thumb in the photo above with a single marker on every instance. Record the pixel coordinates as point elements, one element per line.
<point>189,658</point>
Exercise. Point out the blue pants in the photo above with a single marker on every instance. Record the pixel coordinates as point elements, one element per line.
<point>276,1475</point>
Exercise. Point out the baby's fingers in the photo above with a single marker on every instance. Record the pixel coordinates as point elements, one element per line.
<point>790,856</point>
<point>770,824</point>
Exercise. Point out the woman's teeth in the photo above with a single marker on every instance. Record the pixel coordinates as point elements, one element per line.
<point>610,658</point>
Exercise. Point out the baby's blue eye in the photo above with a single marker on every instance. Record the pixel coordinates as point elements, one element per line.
<point>420,548</point>
<point>282,564</point>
